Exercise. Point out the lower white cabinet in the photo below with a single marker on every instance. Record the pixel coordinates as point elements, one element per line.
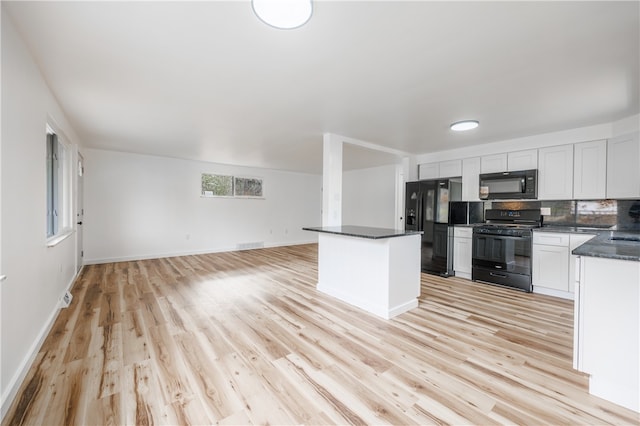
<point>575,240</point>
<point>462,251</point>
<point>550,264</point>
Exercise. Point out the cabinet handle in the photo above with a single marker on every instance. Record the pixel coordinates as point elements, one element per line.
<point>3,277</point>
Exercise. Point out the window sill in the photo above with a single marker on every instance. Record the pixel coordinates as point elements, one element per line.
<point>54,241</point>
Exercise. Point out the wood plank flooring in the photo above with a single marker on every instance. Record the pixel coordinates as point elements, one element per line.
<point>245,338</point>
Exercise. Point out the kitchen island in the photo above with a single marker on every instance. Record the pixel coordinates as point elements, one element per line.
<point>607,316</point>
<point>375,269</point>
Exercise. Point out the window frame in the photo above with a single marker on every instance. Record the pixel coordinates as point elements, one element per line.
<point>232,194</point>
<point>59,186</point>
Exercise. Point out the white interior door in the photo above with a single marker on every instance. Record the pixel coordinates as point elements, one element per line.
<point>80,213</point>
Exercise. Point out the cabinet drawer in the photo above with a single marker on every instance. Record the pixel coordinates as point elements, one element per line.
<point>551,239</point>
<point>460,232</point>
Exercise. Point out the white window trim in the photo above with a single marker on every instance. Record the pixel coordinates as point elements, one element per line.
<point>66,163</point>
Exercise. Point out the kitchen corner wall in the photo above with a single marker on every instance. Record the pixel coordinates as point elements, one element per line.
<point>140,206</point>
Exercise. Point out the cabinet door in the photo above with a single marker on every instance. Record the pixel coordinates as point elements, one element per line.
<point>493,163</point>
<point>623,167</point>
<point>462,257</point>
<point>471,179</point>
<point>590,170</point>
<point>451,168</point>
<point>555,173</point>
<point>429,171</point>
<point>575,240</point>
<point>550,267</point>
<point>522,160</point>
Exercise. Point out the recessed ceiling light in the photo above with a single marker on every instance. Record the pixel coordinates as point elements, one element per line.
<point>283,14</point>
<point>461,126</point>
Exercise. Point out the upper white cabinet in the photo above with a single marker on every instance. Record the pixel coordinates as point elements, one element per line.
<point>493,163</point>
<point>512,161</point>
<point>590,170</point>
<point>522,160</point>
<point>555,173</point>
<point>451,168</point>
<point>429,171</point>
<point>471,179</point>
<point>443,169</point>
<point>623,166</point>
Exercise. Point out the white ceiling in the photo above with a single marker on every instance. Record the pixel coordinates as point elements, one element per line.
<point>209,81</point>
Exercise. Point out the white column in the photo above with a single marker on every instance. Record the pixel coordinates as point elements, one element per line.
<point>331,180</point>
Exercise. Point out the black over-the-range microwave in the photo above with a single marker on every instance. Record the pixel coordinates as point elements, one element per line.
<point>518,185</point>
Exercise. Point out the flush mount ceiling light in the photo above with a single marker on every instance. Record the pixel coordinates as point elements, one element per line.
<point>461,126</point>
<point>283,14</point>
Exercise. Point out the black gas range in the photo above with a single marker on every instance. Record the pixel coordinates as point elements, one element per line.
<point>502,248</point>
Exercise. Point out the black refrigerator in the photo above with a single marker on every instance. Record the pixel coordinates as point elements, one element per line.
<point>427,210</point>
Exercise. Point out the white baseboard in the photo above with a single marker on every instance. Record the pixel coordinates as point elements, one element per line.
<point>552,292</point>
<point>16,381</point>
<point>98,261</point>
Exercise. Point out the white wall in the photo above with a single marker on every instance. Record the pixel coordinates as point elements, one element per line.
<point>140,206</point>
<point>369,197</point>
<point>37,275</point>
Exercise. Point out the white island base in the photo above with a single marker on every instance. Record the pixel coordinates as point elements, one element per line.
<point>380,275</point>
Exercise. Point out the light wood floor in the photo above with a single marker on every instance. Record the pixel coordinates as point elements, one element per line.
<point>244,337</point>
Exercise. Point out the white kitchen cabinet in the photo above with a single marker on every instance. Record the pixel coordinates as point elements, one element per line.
<point>471,179</point>
<point>428,171</point>
<point>550,264</point>
<point>555,173</point>
<point>462,251</point>
<point>522,160</point>
<point>442,169</point>
<point>590,170</point>
<point>575,240</point>
<point>452,168</point>
<point>623,166</point>
<point>493,163</point>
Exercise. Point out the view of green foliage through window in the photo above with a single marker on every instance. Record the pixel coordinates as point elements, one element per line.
<point>230,186</point>
<point>248,187</point>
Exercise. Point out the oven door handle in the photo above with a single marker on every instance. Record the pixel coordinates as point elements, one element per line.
<point>519,237</point>
<point>493,274</point>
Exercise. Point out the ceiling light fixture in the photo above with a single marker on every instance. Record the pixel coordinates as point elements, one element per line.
<point>461,126</point>
<point>283,14</point>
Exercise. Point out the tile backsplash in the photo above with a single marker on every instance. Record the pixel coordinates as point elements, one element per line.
<point>598,213</point>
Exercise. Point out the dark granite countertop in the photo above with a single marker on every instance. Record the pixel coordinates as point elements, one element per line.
<point>619,245</point>
<point>572,229</point>
<point>362,231</point>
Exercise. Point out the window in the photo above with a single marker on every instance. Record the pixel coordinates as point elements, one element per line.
<point>59,201</point>
<point>230,186</point>
<point>217,185</point>
<point>247,187</point>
